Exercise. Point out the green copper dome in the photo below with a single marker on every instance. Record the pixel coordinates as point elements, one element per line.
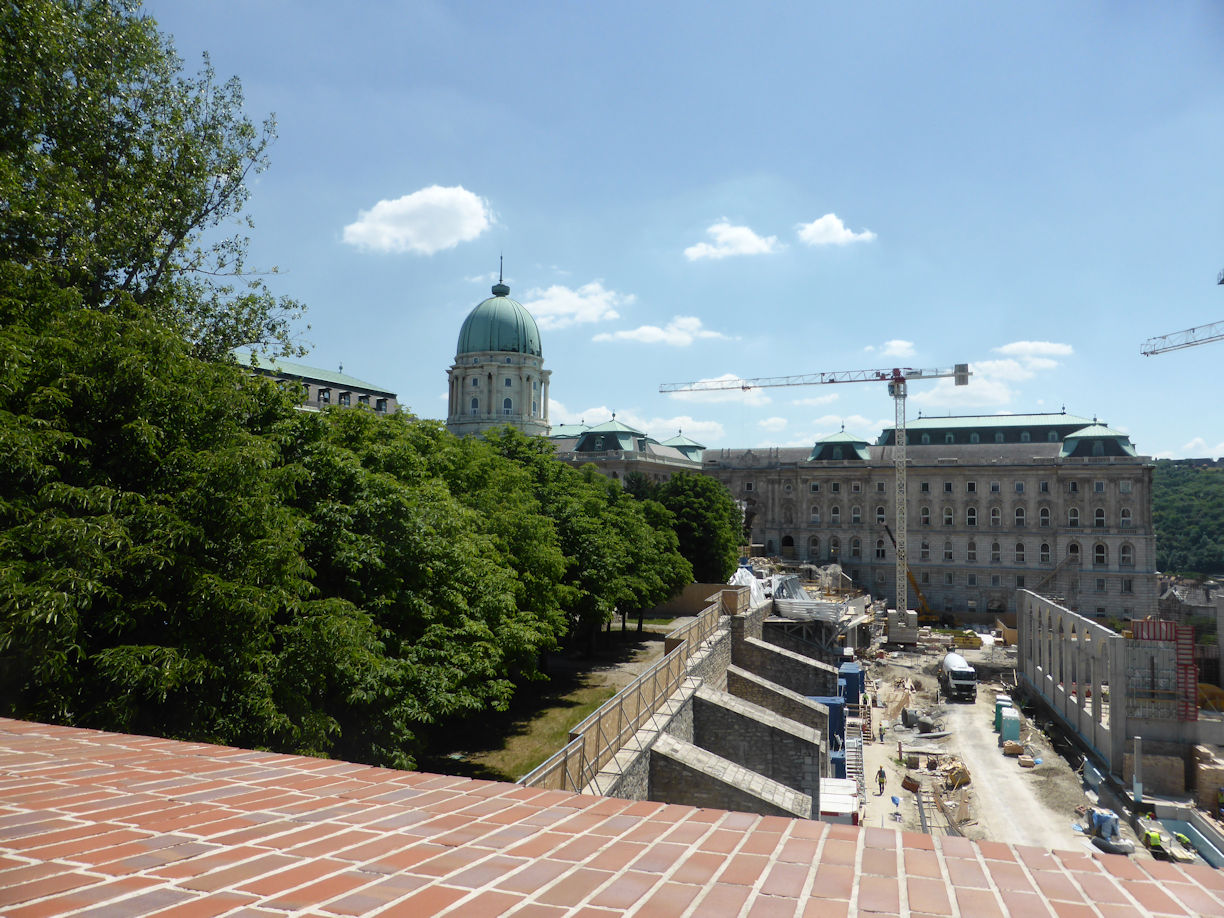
<point>499,324</point>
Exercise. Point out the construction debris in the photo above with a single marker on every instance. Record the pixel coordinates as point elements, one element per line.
<point>1027,761</point>
<point>1012,748</point>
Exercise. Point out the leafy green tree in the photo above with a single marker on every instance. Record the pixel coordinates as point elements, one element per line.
<point>117,171</point>
<point>1188,517</point>
<point>707,524</point>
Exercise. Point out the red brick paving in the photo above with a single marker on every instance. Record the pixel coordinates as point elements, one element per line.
<point>96,824</point>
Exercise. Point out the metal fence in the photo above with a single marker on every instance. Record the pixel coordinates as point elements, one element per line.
<point>597,740</point>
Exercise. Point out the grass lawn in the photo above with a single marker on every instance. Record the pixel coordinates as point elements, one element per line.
<point>504,746</point>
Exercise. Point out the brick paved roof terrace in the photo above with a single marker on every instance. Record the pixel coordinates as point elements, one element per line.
<point>108,824</point>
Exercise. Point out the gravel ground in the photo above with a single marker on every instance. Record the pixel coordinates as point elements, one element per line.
<point>1006,803</point>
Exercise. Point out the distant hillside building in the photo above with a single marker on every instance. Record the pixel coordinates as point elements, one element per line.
<point>1048,502</point>
<point>324,388</point>
<point>498,376</point>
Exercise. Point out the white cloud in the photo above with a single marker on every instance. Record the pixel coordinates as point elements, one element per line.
<point>660,428</point>
<point>426,221</point>
<point>679,332</point>
<point>897,347</point>
<point>486,278</point>
<point>1198,449</point>
<point>816,399</point>
<point>731,240</point>
<point>772,424</point>
<point>559,306</point>
<point>1032,349</point>
<point>829,230</point>
<point>732,393</point>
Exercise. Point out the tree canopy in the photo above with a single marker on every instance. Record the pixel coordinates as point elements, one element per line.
<point>185,553</point>
<point>706,520</point>
<point>1188,516</point>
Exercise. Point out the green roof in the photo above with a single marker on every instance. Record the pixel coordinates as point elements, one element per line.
<point>499,324</point>
<point>681,440</point>
<point>995,420</point>
<point>615,426</point>
<point>565,431</point>
<point>1108,442</point>
<point>846,446</point>
<point>288,369</point>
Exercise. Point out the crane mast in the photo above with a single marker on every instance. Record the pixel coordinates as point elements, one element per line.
<point>897,379</point>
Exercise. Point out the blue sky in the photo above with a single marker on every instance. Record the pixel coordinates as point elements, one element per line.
<point>685,191</point>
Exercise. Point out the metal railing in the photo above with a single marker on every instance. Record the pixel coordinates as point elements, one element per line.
<point>596,741</point>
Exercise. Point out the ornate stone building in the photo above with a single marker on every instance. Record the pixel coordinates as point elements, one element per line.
<point>324,388</point>
<point>1053,503</point>
<point>498,376</point>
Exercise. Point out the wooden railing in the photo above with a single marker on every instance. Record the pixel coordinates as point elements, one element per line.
<point>597,740</point>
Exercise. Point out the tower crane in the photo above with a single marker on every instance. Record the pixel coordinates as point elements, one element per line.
<point>1189,337</point>
<point>897,380</point>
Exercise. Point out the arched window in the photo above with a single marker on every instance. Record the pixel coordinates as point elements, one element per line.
<point>998,436</point>
<point>856,514</point>
<point>1043,516</point>
<point>813,546</point>
<point>535,408</point>
<point>815,513</point>
<point>880,515</point>
<point>996,552</point>
<point>1020,517</point>
<point>971,551</point>
<point>926,439</point>
<point>1052,436</point>
<point>949,438</point>
<point>924,551</point>
<point>1019,552</point>
<point>1044,556</point>
<point>996,516</point>
<point>1073,551</point>
<point>508,406</point>
<point>1025,437</point>
<point>509,382</point>
<point>475,406</point>
<point>835,515</point>
<point>1100,554</point>
<point>924,516</point>
<point>1126,518</point>
<point>880,549</point>
<point>948,551</point>
<point>974,438</point>
<point>1072,516</point>
<point>971,516</point>
<point>1126,556</point>
<point>1098,518</point>
<point>947,516</point>
<point>834,547</point>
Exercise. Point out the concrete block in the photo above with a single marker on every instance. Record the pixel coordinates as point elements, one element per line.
<point>798,673</point>
<point>685,774</point>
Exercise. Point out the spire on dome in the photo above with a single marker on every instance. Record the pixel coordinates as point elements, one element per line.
<point>500,288</point>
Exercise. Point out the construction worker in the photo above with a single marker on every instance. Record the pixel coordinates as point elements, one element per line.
<point>881,731</point>
<point>880,778</point>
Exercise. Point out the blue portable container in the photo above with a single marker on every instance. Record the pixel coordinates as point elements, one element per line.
<point>855,676</point>
<point>837,763</point>
<point>837,715</point>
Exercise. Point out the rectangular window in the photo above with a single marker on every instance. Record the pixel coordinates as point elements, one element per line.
<point>747,485</point>
<point>380,406</point>
<point>880,487</point>
<point>947,487</point>
<point>994,487</point>
<point>948,553</point>
<point>970,487</point>
<point>346,399</point>
<point>815,487</point>
<point>995,580</point>
<point>924,487</point>
<point>325,396</point>
<point>1124,487</point>
<point>1019,487</point>
<point>948,579</point>
<point>1128,585</point>
<point>971,579</point>
<point>1019,581</point>
<point>856,487</point>
<point>1100,584</point>
<point>925,578</point>
<point>1098,487</point>
<point>835,487</point>
<point>363,400</point>
<point>1072,487</point>
<point>1044,487</point>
